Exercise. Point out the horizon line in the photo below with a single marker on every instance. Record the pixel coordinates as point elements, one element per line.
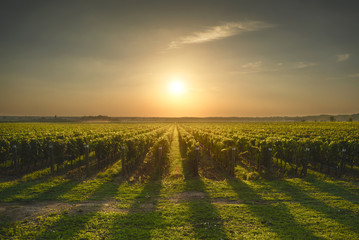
<point>101,115</point>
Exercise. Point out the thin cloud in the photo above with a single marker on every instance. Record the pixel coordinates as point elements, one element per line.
<point>252,65</point>
<point>219,32</point>
<point>260,67</point>
<point>301,65</point>
<point>255,67</point>
<point>343,57</point>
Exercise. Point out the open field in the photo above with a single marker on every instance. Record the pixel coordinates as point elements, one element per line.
<point>159,196</point>
<point>230,119</point>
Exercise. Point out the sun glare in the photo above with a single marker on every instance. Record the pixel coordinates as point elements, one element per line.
<point>176,87</point>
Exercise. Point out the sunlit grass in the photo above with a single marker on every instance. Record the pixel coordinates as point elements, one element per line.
<point>86,189</point>
<point>245,210</point>
<point>36,175</point>
<point>319,223</point>
<point>182,207</point>
<point>331,196</point>
<point>35,191</point>
<point>28,229</point>
<point>28,177</point>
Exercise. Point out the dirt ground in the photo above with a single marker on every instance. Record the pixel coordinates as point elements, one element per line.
<point>25,211</point>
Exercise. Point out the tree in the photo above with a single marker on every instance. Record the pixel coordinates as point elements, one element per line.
<point>332,118</point>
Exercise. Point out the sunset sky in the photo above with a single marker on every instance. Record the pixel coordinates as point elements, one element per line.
<point>179,58</point>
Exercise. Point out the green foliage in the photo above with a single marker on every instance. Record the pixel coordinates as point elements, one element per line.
<point>108,207</point>
<point>273,147</point>
<point>29,147</point>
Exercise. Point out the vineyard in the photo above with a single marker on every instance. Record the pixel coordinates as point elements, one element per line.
<point>277,148</point>
<point>179,180</point>
<point>273,148</point>
<point>59,148</point>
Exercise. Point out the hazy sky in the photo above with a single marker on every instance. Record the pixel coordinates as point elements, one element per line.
<point>233,58</point>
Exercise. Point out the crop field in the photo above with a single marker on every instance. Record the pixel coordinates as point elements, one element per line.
<point>179,180</point>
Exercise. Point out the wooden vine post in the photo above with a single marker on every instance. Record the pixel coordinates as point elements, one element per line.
<point>123,158</point>
<point>305,162</point>
<point>14,154</point>
<point>233,162</point>
<point>87,161</point>
<point>342,163</point>
<point>270,160</point>
<point>196,161</point>
<point>52,160</point>
<point>159,161</point>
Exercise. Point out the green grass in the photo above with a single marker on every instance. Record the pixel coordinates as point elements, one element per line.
<point>179,206</point>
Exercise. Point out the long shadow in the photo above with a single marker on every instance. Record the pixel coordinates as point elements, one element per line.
<point>141,219</point>
<point>52,226</point>
<point>68,225</point>
<point>348,219</point>
<point>9,192</point>
<point>276,217</point>
<point>205,219</point>
<point>333,189</point>
<point>52,193</point>
<point>96,188</point>
<point>73,220</point>
<point>55,191</point>
<point>18,174</point>
<point>49,195</point>
<point>143,215</point>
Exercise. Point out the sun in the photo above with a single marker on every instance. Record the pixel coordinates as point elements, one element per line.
<point>176,87</point>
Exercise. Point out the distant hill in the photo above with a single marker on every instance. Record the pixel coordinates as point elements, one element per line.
<point>102,118</point>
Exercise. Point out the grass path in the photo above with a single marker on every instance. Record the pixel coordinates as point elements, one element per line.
<point>175,159</point>
<point>179,206</point>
